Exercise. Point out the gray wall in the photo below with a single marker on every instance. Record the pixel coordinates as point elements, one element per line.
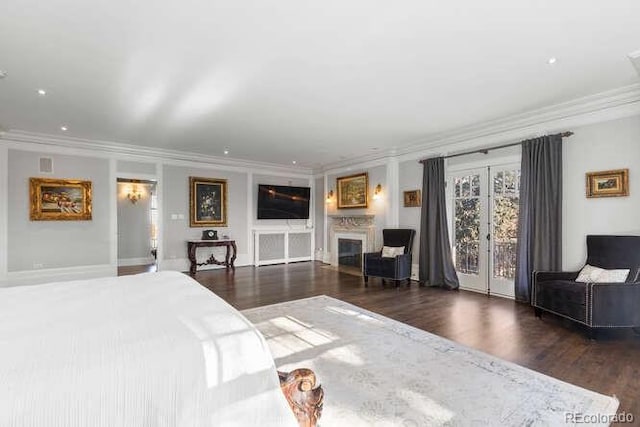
<point>320,195</point>
<point>176,202</point>
<point>129,167</point>
<point>134,223</point>
<point>54,244</point>
<point>377,175</point>
<point>604,146</point>
<point>276,180</point>
<point>410,178</point>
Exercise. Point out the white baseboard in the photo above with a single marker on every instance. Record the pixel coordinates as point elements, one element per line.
<point>46,275</point>
<point>126,262</point>
<point>318,255</point>
<point>183,264</point>
<point>326,257</point>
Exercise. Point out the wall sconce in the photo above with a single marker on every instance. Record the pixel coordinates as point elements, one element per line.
<point>329,196</point>
<point>134,195</point>
<point>377,192</point>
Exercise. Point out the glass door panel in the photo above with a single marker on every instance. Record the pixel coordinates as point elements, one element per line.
<point>504,234</point>
<point>485,227</point>
<point>469,229</point>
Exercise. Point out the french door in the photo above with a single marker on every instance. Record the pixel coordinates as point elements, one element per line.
<point>484,212</point>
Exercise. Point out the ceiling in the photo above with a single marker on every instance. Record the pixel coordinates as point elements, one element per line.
<point>296,80</point>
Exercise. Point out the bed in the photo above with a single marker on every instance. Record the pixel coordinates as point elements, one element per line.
<point>155,349</point>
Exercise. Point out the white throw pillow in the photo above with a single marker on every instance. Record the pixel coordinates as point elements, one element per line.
<point>613,276</point>
<point>591,274</point>
<point>392,252</point>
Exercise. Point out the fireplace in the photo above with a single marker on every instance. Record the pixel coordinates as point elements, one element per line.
<point>350,252</point>
<point>348,231</point>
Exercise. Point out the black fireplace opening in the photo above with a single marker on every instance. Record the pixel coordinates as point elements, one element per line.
<point>350,252</point>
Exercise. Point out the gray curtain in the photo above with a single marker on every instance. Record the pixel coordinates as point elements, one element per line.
<point>540,219</point>
<point>436,262</point>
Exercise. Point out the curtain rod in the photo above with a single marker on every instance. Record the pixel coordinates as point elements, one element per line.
<point>486,150</point>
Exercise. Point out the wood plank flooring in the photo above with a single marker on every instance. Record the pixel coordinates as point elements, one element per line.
<point>506,329</point>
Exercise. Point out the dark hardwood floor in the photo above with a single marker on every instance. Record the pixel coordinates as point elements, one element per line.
<point>501,327</point>
<point>136,269</point>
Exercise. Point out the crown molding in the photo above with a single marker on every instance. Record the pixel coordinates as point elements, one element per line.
<point>604,106</point>
<point>119,150</point>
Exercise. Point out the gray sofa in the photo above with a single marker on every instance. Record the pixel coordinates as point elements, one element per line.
<point>595,305</point>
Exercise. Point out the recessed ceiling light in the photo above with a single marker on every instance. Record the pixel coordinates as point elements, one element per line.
<point>3,74</point>
<point>294,162</point>
<point>226,152</point>
<point>42,92</point>
<point>64,128</point>
<point>552,61</point>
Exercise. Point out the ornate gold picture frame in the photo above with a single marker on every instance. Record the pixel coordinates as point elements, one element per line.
<point>412,199</point>
<point>59,199</point>
<point>207,202</point>
<point>613,183</point>
<point>353,191</point>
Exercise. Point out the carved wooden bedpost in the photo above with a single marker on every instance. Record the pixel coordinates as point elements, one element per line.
<point>305,399</point>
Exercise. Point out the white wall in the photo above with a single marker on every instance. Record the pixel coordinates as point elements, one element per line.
<point>603,146</point>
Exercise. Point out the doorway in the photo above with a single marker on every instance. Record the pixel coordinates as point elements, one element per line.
<point>484,206</point>
<point>137,226</point>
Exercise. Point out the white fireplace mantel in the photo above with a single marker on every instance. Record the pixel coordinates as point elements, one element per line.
<point>357,227</point>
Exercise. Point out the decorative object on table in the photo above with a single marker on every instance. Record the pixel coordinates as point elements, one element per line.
<point>379,371</point>
<point>59,199</point>
<point>229,258</point>
<point>613,183</point>
<point>209,235</point>
<point>353,191</point>
<point>207,202</point>
<point>412,199</point>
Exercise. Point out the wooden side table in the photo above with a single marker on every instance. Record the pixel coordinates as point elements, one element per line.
<point>229,258</point>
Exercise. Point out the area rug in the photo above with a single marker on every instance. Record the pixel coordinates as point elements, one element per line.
<point>379,372</point>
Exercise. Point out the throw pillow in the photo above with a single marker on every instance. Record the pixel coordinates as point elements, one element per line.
<point>613,276</point>
<point>634,276</point>
<point>391,251</point>
<point>591,274</point>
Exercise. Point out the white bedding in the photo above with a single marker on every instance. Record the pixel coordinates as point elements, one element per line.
<point>154,349</point>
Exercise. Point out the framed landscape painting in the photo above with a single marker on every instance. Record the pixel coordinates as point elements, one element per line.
<point>353,191</point>
<point>59,199</point>
<point>613,183</point>
<point>207,202</point>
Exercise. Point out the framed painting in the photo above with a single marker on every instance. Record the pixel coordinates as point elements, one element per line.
<point>59,199</point>
<point>412,199</point>
<point>353,191</point>
<point>613,183</point>
<point>207,202</point>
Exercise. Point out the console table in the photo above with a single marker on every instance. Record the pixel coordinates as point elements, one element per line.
<point>229,258</point>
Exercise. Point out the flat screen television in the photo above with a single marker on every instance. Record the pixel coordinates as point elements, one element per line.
<point>283,202</point>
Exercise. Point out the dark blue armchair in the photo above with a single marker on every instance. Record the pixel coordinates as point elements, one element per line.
<point>397,268</point>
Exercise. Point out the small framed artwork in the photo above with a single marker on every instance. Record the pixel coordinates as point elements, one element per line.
<point>353,191</point>
<point>412,199</point>
<point>207,202</point>
<point>59,199</point>
<point>613,183</point>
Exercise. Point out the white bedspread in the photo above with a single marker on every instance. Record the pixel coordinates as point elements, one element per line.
<point>155,349</point>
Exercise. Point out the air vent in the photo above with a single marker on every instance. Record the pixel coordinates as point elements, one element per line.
<point>46,165</point>
<point>635,60</point>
